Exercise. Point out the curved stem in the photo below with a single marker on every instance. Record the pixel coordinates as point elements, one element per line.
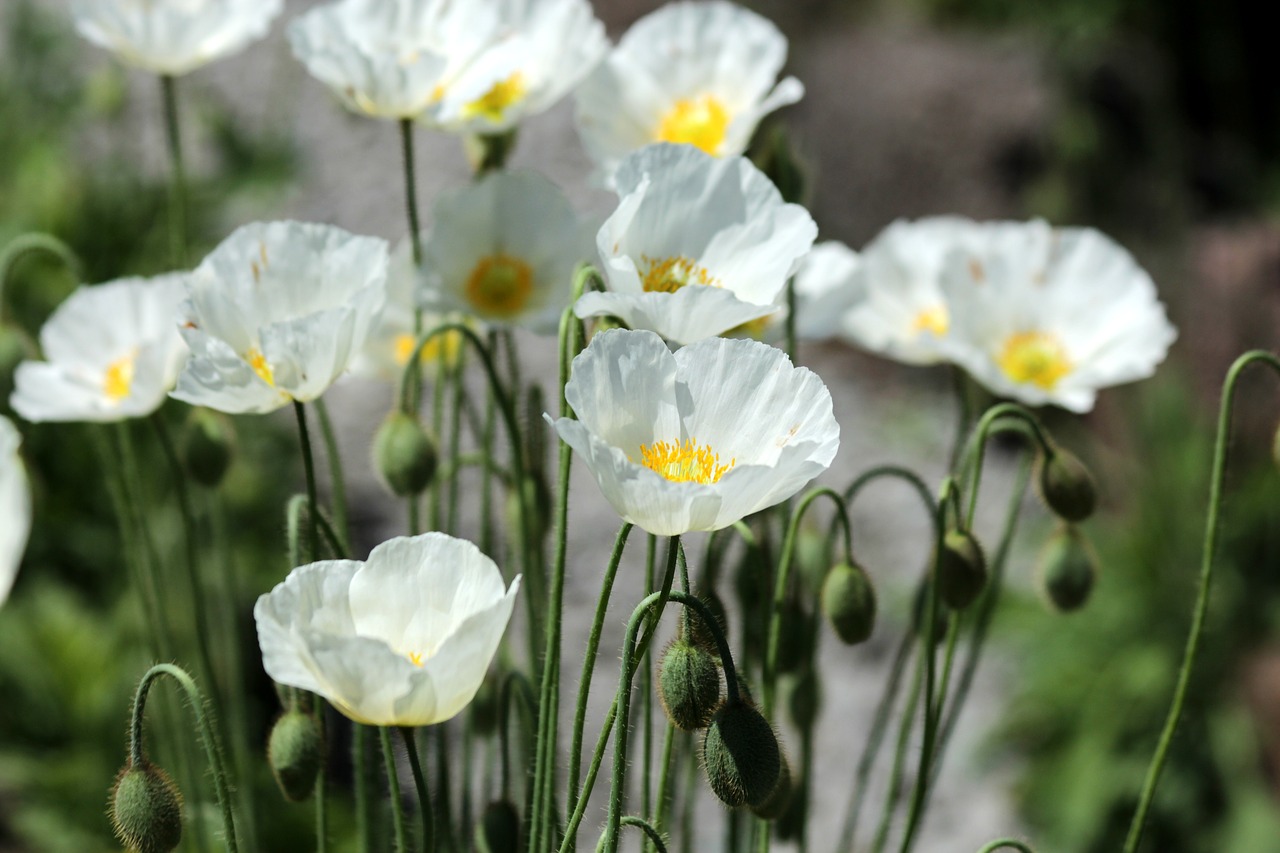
<point>33,244</point>
<point>975,454</point>
<point>393,788</point>
<point>337,478</point>
<point>177,175</point>
<point>424,798</point>
<point>1212,529</point>
<point>208,736</point>
<point>1006,843</point>
<point>655,837</point>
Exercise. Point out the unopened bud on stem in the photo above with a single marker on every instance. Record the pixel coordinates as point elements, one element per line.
<point>146,809</point>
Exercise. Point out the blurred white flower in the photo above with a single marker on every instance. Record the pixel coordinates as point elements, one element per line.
<point>827,285</point>
<point>276,313</point>
<point>504,250</point>
<point>903,314</point>
<point>173,36</point>
<point>403,639</point>
<point>698,439</point>
<point>704,74</point>
<point>113,352</point>
<point>1046,315</point>
<point>697,246</point>
<point>15,507</point>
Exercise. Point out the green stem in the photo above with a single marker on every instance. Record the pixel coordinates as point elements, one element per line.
<point>654,836</point>
<point>793,343</point>
<point>26,245</point>
<point>362,772</point>
<point>1009,843</point>
<point>208,737</point>
<point>322,780</point>
<point>666,775</point>
<point>393,788</point>
<point>411,189</point>
<point>444,788</point>
<point>337,478</point>
<point>976,452</point>
<point>177,175</point>
<point>424,798</point>
<point>309,466</point>
<point>964,414</point>
<point>1212,530</point>
<point>893,793</point>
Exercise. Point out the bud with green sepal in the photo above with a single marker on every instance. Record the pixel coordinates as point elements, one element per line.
<point>741,755</point>
<point>208,446</point>
<point>849,603</point>
<point>775,805</point>
<point>499,828</point>
<point>146,809</point>
<point>697,630</point>
<point>295,751</point>
<point>404,455</point>
<point>1067,569</point>
<point>688,684</point>
<point>961,569</point>
<point>1065,485</point>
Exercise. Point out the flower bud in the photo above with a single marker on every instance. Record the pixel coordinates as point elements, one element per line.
<point>1066,486</point>
<point>775,805</point>
<point>1067,570</point>
<point>961,570</point>
<point>741,755</point>
<point>146,809</point>
<point>699,633</point>
<point>806,700</point>
<point>295,751</point>
<point>849,602</point>
<point>919,608</point>
<point>499,828</point>
<point>208,441</point>
<point>404,455</point>
<point>688,685</point>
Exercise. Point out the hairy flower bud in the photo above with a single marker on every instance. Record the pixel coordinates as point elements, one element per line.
<point>208,442</point>
<point>1067,569</point>
<point>499,828</point>
<point>741,755</point>
<point>404,455</point>
<point>688,685</point>
<point>699,632</point>
<point>775,805</point>
<point>1066,485</point>
<point>961,570</point>
<point>849,602</point>
<point>146,809</point>
<point>295,751</point>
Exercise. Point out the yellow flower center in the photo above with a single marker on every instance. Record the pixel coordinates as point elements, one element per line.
<point>118,380</point>
<point>667,275</point>
<point>688,462</point>
<point>258,362</point>
<point>495,102</point>
<point>1037,358</point>
<point>753,329</point>
<point>444,347</point>
<point>701,121</point>
<point>933,319</point>
<point>500,285</point>
<point>416,658</point>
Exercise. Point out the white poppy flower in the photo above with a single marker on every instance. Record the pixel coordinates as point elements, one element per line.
<point>15,507</point>
<point>827,284</point>
<point>1046,315</point>
<point>698,439</point>
<point>173,36</point>
<point>504,250</point>
<point>402,639</point>
<point>903,314</point>
<point>697,246</point>
<point>704,74</point>
<point>539,51</point>
<point>276,313</point>
<point>113,352</point>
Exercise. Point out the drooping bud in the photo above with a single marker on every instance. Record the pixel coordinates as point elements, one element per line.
<point>961,570</point>
<point>699,633</point>
<point>146,809</point>
<point>741,755</point>
<point>688,684</point>
<point>295,751</point>
<point>1067,569</point>
<point>499,828</point>
<point>404,455</point>
<point>484,708</point>
<point>1066,486</point>
<point>849,602</point>
<point>775,805</point>
<point>806,700</point>
<point>208,444</point>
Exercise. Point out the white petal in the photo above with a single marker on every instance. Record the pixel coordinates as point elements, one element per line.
<point>15,507</point>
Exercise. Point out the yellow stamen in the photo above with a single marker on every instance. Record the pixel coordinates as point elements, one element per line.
<point>258,362</point>
<point>667,275</point>
<point>500,286</point>
<point>689,462</point>
<point>753,329</point>
<point>1038,358</point>
<point>701,121</point>
<point>118,381</point>
<point>416,658</point>
<point>933,319</point>
<point>495,102</point>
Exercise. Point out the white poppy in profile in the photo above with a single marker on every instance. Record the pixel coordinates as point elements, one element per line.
<point>173,36</point>
<point>1046,315</point>
<point>903,313</point>
<point>276,313</point>
<point>112,352</point>
<point>698,439</point>
<point>402,639</point>
<point>703,74</point>
<point>827,285</point>
<point>504,250</point>
<point>539,51</point>
<point>15,507</point>
<point>697,246</point>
